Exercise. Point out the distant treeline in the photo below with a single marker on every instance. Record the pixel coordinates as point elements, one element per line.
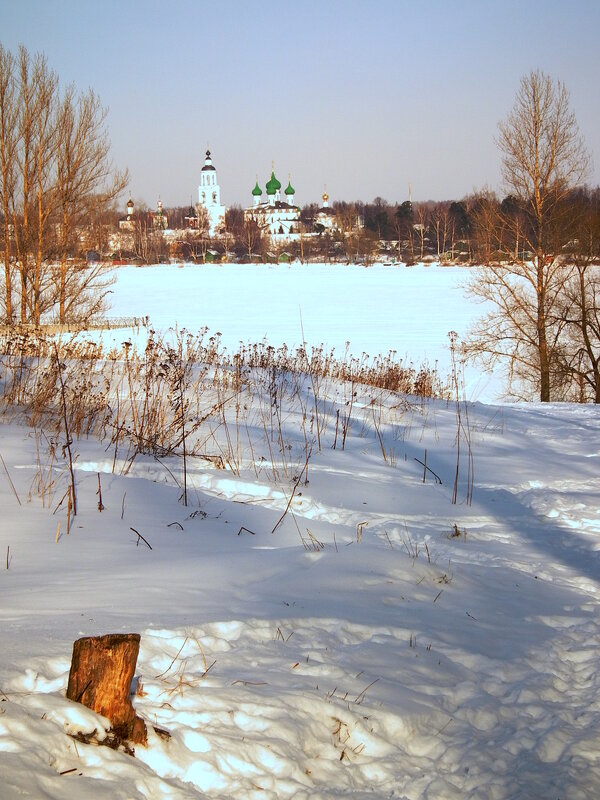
<point>452,231</point>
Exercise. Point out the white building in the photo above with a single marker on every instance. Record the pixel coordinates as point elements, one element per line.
<point>325,216</point>
<point>209,196</point>
<point>275,217</point>
<point>127,223</point>
<point>342,222</point>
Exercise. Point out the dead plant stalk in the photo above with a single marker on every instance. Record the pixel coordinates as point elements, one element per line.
<point>67,433</point>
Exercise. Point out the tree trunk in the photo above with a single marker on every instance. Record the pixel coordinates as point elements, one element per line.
<point>40,252</point>
<point>62,289</point>
<point>7,248</point>
<point>541,330</point>
<point>24,290</point>
<point>62,316</point>
<point>586,334</point>
<point>102,669</point>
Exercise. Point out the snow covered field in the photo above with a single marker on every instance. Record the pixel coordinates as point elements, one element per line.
<point>382,642</point>
<point>382,308</point>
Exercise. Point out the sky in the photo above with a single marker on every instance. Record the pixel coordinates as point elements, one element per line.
<point>364,98</point>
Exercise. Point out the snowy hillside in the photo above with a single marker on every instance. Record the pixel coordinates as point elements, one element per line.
<point>321,620</point>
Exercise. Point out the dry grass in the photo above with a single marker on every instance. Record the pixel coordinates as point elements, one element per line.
<point>183,396</point>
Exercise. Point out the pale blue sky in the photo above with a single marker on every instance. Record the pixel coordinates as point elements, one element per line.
<point>365,97</point>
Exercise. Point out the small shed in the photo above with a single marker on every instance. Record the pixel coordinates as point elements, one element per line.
<point>212,257</point>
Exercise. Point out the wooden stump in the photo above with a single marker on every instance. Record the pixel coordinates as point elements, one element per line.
<point>102,669</point>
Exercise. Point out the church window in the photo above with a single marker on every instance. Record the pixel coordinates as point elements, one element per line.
<point>214,197</point>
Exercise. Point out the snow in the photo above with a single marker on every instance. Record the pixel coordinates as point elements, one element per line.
<point>382,642</point>
<point>374,310</point>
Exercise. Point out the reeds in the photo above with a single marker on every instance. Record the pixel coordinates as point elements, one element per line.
<point>183,397</point>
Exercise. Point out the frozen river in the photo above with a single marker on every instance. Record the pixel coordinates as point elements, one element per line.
<point>375,309</point>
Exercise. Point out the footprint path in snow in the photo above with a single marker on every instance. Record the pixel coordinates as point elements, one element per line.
<point>442,725</point>
<point>526,728</point>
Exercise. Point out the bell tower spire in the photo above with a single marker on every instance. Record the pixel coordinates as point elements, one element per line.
<point>209,193</point>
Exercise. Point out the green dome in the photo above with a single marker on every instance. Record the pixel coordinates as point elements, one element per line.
<point>257,191</point>
<point>273,185</point>
<point>290,189</point>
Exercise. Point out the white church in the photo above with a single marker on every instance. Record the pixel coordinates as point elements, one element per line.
<point>278,218</point>
<point>209,196</point>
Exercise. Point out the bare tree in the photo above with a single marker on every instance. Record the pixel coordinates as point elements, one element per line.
<point>234,227</point>
<point>582,316</point>
<point>543,158</point>
<point>44,143</point>
<point>84,174</point>
<point>349,224</point>
<point>8,125</point>
<point>488,231</point>
<point>253,237</point>
<point>580,306</point>
<point>28,73</point>
<point>421,226</point>
<point>139,236</point>
<point>27,86</point>
<point>54,172</point>
<point>203,233</point>
<point>440,220</point>
<point>403,225</point>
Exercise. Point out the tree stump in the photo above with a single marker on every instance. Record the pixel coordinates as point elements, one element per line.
<point>102,669</point>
